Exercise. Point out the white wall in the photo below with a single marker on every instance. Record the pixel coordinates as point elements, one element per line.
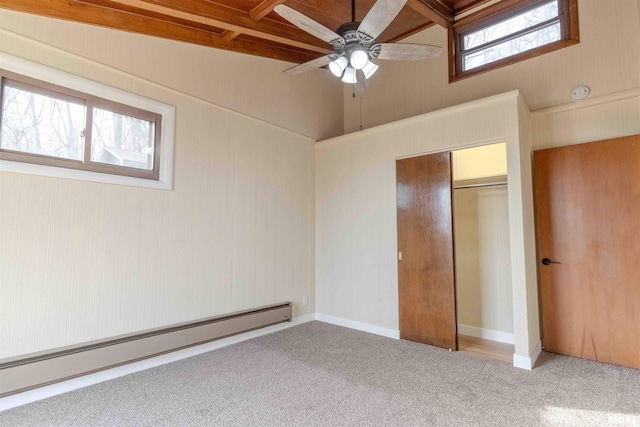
<point>356,234</point>
<point>606,59</point>
<point>310,104</point>
<point>81,261</point>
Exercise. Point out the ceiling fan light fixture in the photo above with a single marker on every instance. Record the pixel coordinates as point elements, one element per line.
<point>349,75</point>
<point>359,59</point>
<point>354,43</point>
<point>338,66</point>
<point>369,69</point>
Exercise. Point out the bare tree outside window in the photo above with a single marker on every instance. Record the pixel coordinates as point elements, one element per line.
<point>46,124</point>
<point>545,15</point>
<point>520,22</point>
<point>511,47</point>
<point>43,125</point>
<point>498,37</point>
<point>121,140</point>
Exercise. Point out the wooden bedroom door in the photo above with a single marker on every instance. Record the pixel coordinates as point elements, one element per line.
<point>426,286</point>
<point>588,232</point>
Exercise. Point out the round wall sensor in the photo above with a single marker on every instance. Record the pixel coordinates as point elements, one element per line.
<point>580,92</point>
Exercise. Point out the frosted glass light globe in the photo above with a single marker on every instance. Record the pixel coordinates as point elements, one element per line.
<point>349,76</point>
<point>359,59</point>
<point>338,66</point>
<point>369,69</point>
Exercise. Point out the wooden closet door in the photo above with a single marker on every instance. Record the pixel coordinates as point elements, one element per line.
<point>588,220</point>
<point>425,240</point>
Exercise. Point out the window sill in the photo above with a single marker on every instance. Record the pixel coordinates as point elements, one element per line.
<point>56,172</point>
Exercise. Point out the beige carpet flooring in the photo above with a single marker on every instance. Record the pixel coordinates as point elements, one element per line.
<point>318,374</point>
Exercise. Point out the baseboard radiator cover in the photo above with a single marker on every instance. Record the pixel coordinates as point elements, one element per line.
<point>40,369</point>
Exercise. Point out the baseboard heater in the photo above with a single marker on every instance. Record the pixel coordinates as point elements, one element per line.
<point>40,369</point>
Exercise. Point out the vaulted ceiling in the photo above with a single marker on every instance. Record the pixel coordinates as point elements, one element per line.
<point>248,26</point>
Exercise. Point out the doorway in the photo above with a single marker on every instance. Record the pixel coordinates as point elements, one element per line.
<point>472,264</point>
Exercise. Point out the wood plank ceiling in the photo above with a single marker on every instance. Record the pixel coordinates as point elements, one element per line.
<point>248,26</point>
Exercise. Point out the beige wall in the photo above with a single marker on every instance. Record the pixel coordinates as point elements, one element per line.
<point>310,104</point>
<point>606,59</point>
<point>482,251</point>
<point>76,259</point>
<point>356,238</point>
<point>81,261</point>
<point>480,162</point>
<point>524,266</point>
<point>483,259</point>
<point>609,116</point>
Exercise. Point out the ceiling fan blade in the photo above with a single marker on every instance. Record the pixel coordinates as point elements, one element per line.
<point>380,16</point>
<point>309,65</point>
<point>407,51</point>
<point>307,24</point>
<point>362,84</point>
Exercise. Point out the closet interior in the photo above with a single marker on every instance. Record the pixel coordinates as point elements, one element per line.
<point>484,302</point>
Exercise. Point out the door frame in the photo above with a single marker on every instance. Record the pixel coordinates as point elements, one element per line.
<point>481,180</point>
<point>524,273</point>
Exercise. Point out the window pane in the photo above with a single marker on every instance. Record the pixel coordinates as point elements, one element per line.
<point>38,124</point>
<point>523,43</point>
<point>122,140</point>
<point>512,25</point>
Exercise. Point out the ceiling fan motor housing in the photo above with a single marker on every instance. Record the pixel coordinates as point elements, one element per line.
<point>352,39</point>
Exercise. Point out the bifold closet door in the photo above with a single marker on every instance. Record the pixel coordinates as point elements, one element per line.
<point>426,286</point>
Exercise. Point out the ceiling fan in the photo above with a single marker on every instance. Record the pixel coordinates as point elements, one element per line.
<point>354,43</point>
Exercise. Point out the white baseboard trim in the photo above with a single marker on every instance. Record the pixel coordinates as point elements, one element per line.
<point>41,393</point>
<point>360,326</point>
<point>527,363</point>
<point>487,334</point>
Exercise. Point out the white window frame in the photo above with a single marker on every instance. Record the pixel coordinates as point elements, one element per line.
<point>80,84</point>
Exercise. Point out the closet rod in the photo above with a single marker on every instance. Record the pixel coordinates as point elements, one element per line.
<point>489,184</point>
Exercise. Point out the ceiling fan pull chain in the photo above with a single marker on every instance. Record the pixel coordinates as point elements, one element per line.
<point>361,113</point>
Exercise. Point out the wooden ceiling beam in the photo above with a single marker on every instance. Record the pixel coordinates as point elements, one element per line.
<point>267,30</point>
<point>90,14</point>
<point>229,35</point>
<point>257,13</point>
<point>433,10</point>
<point>263,9</point>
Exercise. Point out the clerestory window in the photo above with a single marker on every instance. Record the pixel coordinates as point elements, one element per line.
<point>496,37</point>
